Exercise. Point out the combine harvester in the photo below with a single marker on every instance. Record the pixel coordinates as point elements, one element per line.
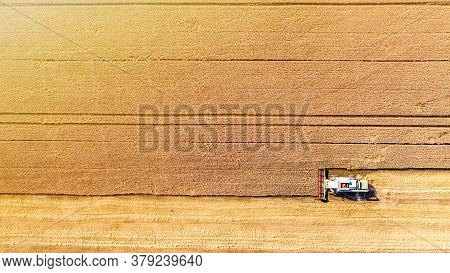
<point>339,185</point>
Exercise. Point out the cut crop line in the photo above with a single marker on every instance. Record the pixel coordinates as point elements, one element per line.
<point>199,196</point>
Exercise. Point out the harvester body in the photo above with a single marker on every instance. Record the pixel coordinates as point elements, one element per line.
<point>347,184</point>
<point>339,185</point>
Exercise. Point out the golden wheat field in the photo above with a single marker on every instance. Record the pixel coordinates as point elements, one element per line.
<point>158,125</point>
